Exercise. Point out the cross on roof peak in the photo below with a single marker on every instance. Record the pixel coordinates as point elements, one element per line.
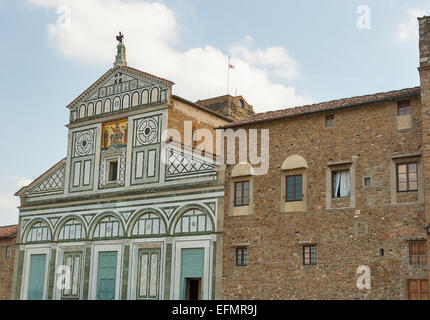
<point>120,37</point>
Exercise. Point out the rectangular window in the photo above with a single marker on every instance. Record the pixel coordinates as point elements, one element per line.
<point>241,193</point>
<point>7,252</point>
<point>329,121</point>
<point>403,107</point>
<point>310,255</point>
<point>341,184</point>
<point>113,171</point>
<point>242,257</point>
<point>418,289</point>
<point>407,177</point>
<point>417,252</point>
<point>71,288</point>
<point>293,188</point>
<point>367,182</point>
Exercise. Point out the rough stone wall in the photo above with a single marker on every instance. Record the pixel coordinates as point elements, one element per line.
<point>228,106</point>
<point>345,238</point>
<point>6,267</point>
<point>424,47</point>
<point>181,112</point>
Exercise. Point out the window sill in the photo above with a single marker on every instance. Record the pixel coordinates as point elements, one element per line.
<point>403,204</point>
<point>111,184</point>
<point>407,192</point>
<point>293,212</point>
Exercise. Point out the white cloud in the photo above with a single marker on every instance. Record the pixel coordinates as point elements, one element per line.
<point>408,31</point>
<point>8,201</point>
<point>150,32</point>
<point>276,59</point>
<point>23,183</point>
<point>8,209</point>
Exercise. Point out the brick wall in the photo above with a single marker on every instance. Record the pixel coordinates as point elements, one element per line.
<point>6,267</point>
<point>367,136</point>
<point>228,106</point>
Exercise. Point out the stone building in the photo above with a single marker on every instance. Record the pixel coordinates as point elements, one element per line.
<point>346,200</point>
<point>130,212</point>
<point>7,255</point>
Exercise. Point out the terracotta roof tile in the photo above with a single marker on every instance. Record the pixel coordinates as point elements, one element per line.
<point>325,106</point>
<point>8,230</point>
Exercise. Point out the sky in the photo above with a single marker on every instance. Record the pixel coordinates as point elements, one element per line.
<point>285,54</point>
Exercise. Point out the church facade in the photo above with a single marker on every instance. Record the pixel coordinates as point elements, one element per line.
<point>128,213</point>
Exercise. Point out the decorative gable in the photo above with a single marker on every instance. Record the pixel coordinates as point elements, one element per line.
<point>184,164</point>
<point>120,88</point>
<point>51,182</point>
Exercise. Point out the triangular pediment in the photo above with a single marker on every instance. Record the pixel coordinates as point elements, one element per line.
<point>52,181</point>
<point>183,163</point>
<point>112,151</point>
<point>116,83</point>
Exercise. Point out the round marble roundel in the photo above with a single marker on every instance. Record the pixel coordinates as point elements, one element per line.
<point>147,131</point>
<point>84,143</point>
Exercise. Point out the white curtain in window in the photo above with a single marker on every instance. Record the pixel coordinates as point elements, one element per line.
<point>342,185</point>
<point>336,183</point>
<point>345,185</point>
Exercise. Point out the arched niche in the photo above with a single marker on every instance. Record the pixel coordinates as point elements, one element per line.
<point>90,109</point>
<point>109,226</point>
<point>193,220</point>
<point>154,95</point>
<point>126,101</point>
<point>82,111</point>
<point>71,228</point>
<point>148,224</point>
<point>145,97</point>
<point>242,170</point>
<point>294,162</point>
<point>38,231</point>
<point>135,99</point>
<point>107,107</point>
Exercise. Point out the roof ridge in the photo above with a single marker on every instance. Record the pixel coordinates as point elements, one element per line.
<point>340,99</point>
<point>325,106</point>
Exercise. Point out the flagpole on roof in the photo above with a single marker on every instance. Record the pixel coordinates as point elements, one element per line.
<point>228,76</point>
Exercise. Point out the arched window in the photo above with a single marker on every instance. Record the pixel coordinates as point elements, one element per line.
<point>107,106</point>
<point>90,109</point>
<point>126,101</point>
<point>241,103</point>
<point>194,220</point>
<point>39,232</point>
<point>148,224</point>
<point>154,95</point>
<point>99,107</point>
<point>116,104</point>
<point>71,230</point>
<point>108,227</point>
<point>82,111</point>
<point>145,97</point>
<point>135,99</point>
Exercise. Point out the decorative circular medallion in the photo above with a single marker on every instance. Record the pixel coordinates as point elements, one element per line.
<point>84,143</point>
<point>147,131</point>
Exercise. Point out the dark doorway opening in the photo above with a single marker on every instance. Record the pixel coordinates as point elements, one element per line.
<point>194,288</point>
